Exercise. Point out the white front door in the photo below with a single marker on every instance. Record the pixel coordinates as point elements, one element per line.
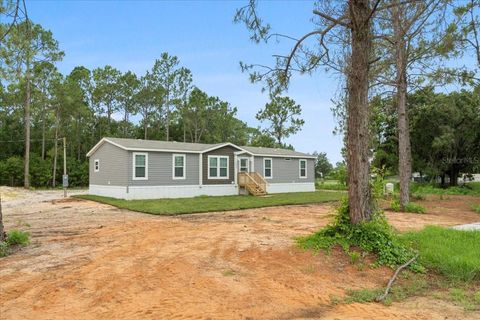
<point>243,165</point>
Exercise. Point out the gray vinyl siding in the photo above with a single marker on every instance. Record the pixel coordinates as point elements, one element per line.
<point>224,151</point>
<point>286,171</point>
<point>160,170</point>
<point>112,166</point>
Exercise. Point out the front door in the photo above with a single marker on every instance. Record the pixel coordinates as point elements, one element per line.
<point>243,165</point>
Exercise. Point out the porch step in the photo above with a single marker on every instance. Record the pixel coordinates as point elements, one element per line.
<point>255,190</point>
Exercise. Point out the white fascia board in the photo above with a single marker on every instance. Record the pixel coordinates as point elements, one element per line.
<point>282,156</point>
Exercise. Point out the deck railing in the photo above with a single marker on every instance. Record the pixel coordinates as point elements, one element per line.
<point>253,182</point>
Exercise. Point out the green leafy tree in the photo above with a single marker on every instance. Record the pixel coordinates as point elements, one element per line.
<point>323,167</point>
<point>106,92</point>
<point>129,87</point>
<point>283,115</point>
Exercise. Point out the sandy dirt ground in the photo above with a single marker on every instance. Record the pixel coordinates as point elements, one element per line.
<point>93,261</point>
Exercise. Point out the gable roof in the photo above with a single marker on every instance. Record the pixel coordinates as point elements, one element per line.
<point>279,152</point>
<point>172,146</point>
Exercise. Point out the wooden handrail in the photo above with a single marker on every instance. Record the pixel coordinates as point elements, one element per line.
<point>251,180</point>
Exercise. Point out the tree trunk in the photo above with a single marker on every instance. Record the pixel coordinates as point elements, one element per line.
<point>404,156</point>
<point>54,174</point>
<point>453,177</point>
<point>125,121</point>
<point>167,119</point>
<point>442,180</point>
<point>26,181</point>
<point>43,132</point>
<point>358,137</point>
<point>2,228</point>
<point>145,127</point>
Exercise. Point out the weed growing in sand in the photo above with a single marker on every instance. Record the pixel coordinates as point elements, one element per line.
<point>17,237</point>
<point>14,238</point>
<point>410,207</point>
<point>4,249</point>
<point>229,272</point>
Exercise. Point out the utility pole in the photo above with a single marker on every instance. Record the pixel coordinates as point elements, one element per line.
<point>65,177</point>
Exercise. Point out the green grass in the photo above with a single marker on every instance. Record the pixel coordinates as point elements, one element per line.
<point>476,208</point>
<point>410,207</point>
<point>471,189</point>
<point>209,204</point>
<point>329,185</point>
<point>454,254</point>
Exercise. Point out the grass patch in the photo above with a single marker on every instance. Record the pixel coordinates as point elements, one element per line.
<point>223,203</point>
<point>329,185</point>
<point>476,208</point>
<point>410,207</point>
<point>452,253</point>
<point>362,295</point>
<point>471,189</point>
<point>374,236</point>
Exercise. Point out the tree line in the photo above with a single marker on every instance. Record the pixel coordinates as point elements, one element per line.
<point>40,106</point>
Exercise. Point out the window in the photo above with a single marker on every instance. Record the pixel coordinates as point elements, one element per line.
<point>303,168</point>
<point>244,165</point>
<point>140,166</point>
<point>218,167</point>
<point>96,165</point>
<point>178,166</point>
<point>267,168</point>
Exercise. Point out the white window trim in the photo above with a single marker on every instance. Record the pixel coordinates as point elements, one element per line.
<point>240,164</point>
<point>134,154</point>
<point>96,165</point>
<point>300,169</point>
<point>184,166</point>
<point>218,167</point>
<point>271,168</point>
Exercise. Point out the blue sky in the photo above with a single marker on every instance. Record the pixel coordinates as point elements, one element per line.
<point>130,35</point>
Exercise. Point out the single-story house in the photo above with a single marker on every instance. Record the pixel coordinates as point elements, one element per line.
<point>149,169</point>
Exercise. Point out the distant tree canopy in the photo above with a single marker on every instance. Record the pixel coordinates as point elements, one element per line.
<point>323,167</point>
<point>444,130</point>
<point>87,105</point>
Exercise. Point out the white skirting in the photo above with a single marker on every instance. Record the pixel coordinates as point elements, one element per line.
<point>290,187</point>
<point>159,192</point>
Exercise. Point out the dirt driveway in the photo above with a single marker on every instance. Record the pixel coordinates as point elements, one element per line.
<point>92,261</point>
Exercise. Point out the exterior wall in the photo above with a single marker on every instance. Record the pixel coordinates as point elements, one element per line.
<point>286,171</point>
<point>112,166</point>
<point>159,192</point>
<point>224,151</point>
<point>290,187</point>
<point>160,170</point>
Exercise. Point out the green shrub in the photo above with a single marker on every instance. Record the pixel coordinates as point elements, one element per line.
<point>375,236</point>
<point>17,237</point>
<point>410,207</point>
<point>452,253</point>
